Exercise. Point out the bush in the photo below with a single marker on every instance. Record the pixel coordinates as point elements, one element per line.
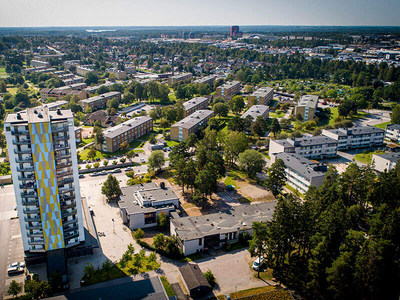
<point>210,278</point>
<point>88,166</point>
<point>96,165</point>
<point>114,162</point>
<point>138,234</point>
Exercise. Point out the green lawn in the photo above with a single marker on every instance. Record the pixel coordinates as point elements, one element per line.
<point>277,114</point>
<point>167,286</point>
<point>12,90</point>
<point>192,257</point>
<point>235,246</point>
<point>3,72</point>
<point>366,156</point>
<point>172,97</point>
<point>382,125</point>
<point>335,114</point>
<point>293,189</point>
<point>99,154</point>
<point>85,142</point>
<point>172,143</point>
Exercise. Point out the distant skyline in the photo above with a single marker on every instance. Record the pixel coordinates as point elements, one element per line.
<point>46,13</point>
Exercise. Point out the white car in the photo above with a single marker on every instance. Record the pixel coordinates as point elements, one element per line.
<point>17,264</point>
<point>258,262</point>
<point>128,169</point>
<point>15,270</point>
<point>142,160</point>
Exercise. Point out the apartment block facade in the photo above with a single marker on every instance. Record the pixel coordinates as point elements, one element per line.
<point>229,89</point>
<point>393,133</point>
<point>181,130</point>
<point>206,80</point>
<point>100,101</point>
<point>125,132</point>
<point>195,104</point>
<point>179,77</point>
<point>262,96</point>
<point>307,107</point>
<point>385,162</point>
<point>318,147</point>
<point>83,70</point>
<point>44,168</point>
<point>119,74</point>
<point>301,173</point>
<point>39,63</point>
<point>356,137</point>
<point>254,112</point>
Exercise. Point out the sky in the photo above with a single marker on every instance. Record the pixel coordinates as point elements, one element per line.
<point>44,13</point>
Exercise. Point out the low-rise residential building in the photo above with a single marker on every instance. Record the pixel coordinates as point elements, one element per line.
<point>73,80</point>
<point>130,69</point>
<point>104,119</point>
<point>100,101</point>
<point>179,77</point>
<point>195,104</point>
<point>301,173</point>
<point>310,147</point>
<point>307,107</point>
<point>125,132</point>
<point>78,134</point>
<point>59,94</point>
<point>385,162</point>
<point>262,96</point>
<point>39,63</point>
<point>229,89</point>
<point>181,130</point>
<point>90,90</point>
<point>70,64</point>
<point>120,75</point>
<point>206,80</point>
<point>356,137</point>
<point>53,106</point>
<point>83,70</point>
<point>74,87</point>
<point>393,133</point>
<point>140,204</point>
<point>254,112</point>
<point>214,230</point>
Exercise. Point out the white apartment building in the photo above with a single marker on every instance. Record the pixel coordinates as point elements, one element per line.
<point>356,137</point>
<point>393,133</point>
<point>318,147</point>
<point>44,168</point>
<point>385,162</point>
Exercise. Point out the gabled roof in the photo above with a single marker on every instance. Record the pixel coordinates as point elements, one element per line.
<point>193,276</point>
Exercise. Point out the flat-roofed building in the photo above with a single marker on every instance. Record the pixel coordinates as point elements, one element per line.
<point>229,88</point>
<point>70,64</point>
<point>59,94</point>
<point>356,137</point>
<point>39,63</point>
<point>100,101</point>
<point>104,119</point>
<point>90,90</point>
<point>73,80</point>
<point>195,104</point>
<point>262,96</point>
<point>254,112</point>
<point>218,229</point>
<point>385,162</point>
<point>83,70</point>
<point>301,173</point>
<point>306,107</point>
<point>181,130</point>
<point>309,147</point>
<point>140,204</point>
<point>119,74</point>
<point>393,132</point>
<point>125,132</point>
<point>74,87</point>
<point>206,80</point>
<point>56,105</point>
<point>179,77</point>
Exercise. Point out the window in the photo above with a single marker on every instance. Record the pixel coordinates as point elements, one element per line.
<point>149,218</point>
<point>200,242</point>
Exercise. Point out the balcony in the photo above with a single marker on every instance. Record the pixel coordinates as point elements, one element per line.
<point>59,147</point>
<point>70,236</point>
<point>30,202</point>
<point>20,132</point>
<point>72,228</point>
<point>65,181</point>
<point>61,138</point>
<point>67,198</point>
<point>22,178</point>
<point>29,195</point>
<point>25,160</point>
<point>65,173</point>
<point>59,129</point>
<point>31,210</point>
<point>63,156</point>
<point>67,190</point>
<point>23,142</point>
<point>37,250</point>
<point>33,227</point>
<point>25,169</point>
<point>28,185</point>
<point>66,223</point>
<point>26,151</point>
<point>37,242</point>
<point>66,205</point>
<point>64,165</point>
<point>37,234</point>
<point>66,213</point>
<point>32,219</point>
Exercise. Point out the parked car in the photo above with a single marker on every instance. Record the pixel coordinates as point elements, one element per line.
<point>17,264</point>
<point>258,263</point>
<point>15,270</point>
<point>103,173</point>
<point>142,160</point>
<point>94,174</point>
<point>98,159</point>
<point>136,154</point>
<point>128,169</point>
<point>81,176</point>
<point>116,171</point>
<point>89,161</point>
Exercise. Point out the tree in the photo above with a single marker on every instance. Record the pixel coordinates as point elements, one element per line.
<point>99,137</point>
<point>156,160</point>
<point>395,117</point>
<point>14,289</point>
<point>221,109</point>
<point>275,127</point>
<point>111,187</point>
<point>236,124</point>
<point>237,104</point>
<point>260,126</point>
<point>130,154</point>
<point>251,162</point>
<point>92,153</point>
<point>234,143</point>
<point>276,177</point>
<point>153,140</point>
<point>124,145</point>
<point>210,278</point>
<point>91,78</point>
<point>162,220</point>
<point>138,234</point>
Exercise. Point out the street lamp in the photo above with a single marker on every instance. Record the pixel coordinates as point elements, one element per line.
<point>113,225</point>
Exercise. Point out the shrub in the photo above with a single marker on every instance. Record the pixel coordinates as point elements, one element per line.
<point>88,166</point>
<point>138,234</point>
<point>114,162</point>
<point>210,278</point>
<point>96,165</point>
<point>105,163</point>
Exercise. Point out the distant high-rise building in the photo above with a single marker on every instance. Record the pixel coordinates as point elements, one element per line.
<point>234,31</point>
<point>44,167</point>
